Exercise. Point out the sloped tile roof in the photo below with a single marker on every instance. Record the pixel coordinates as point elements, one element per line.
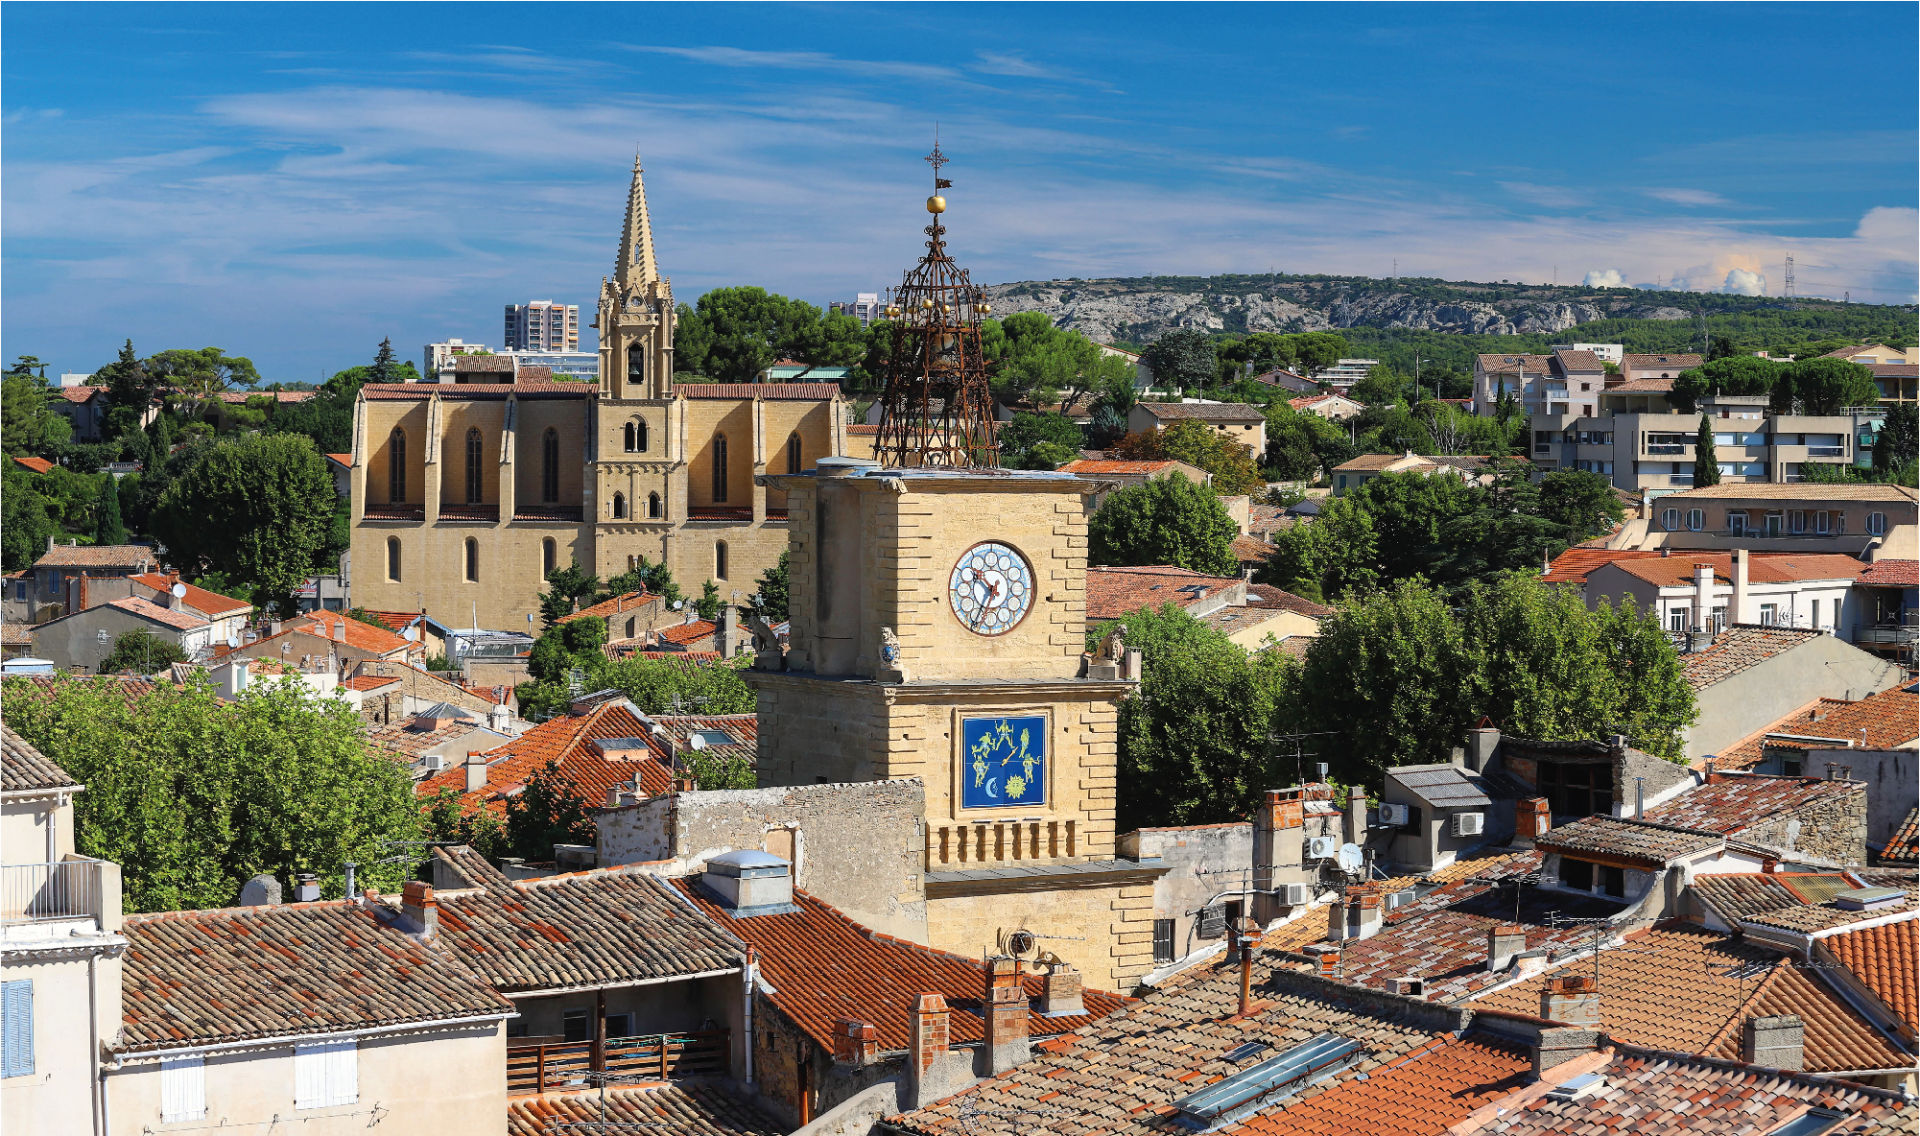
<point>1247,549</point>
<point>1266,595</point>
<point>1743,895</point>
<point>1117,1076</point>
<point>1626,840</point>
<point>1740,648</point>
<point>1579,361</point>
<point>618,605</point>
<point>1496,363</point>
<point>1115,465</point>
<point>1767,568</point>
<point>96,556</point>
<point>1679,987</point>
<point>1640,386</point>
<point>606,927</point>
<point>211,604</point>
<point>1312,926</point>
<point>339,628</point>
<point>1207,411</point>
<point>689,632</point>
<point>1735,802</point>
<point>1575,564</point>
<point>569,741</point>
<point>24,769</point>
<point>81,393</point>
<point>240,397</point>
<point>1812,918</point>
<point>1673,1094</point>
<point>823,965</point>
<point>793,392</point>
<point>744,729</point>
<point>130,688</point>
<point>475,392</point>
<point>175,618</point>
<point>1372,462</point>
<point>682,1108</point>
<point>1891,574</point>
<point>36,465</point>
<point>1682,361</point>
<point>1882,958</point>
<point>1889,719</point>
<point>202,977</point>
<point>1901,848</point>
<point>1113,592</point>
<point>1799,491</point>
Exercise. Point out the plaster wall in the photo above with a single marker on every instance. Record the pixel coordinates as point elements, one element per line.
<point>1104,930</point>
<point>1822,667</point>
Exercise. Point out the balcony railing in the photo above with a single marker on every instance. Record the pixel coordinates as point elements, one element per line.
<point>66,890</point>
<point>1662,448</point>
<point>1826,451</point>
<point>542,1064</point>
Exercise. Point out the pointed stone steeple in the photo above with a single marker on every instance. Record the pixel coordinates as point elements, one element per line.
<point>636,266</point>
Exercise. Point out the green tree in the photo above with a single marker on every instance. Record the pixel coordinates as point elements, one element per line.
<point>256,509</point>
<point>1199,445</point>
<point>575,644</point>
<point>327,417</point>
<point>1335,555</point>
<point>28,424</point>
<point>1720,347</point>
<point>1020,438</point>
<point>1041,362</point>
<point>130,391</point>
<point>1832,386</point>
<point>141,652</point>
<point>1730,374</point>
<point>569,588</point>
<point>708,606</point>
<point>1581,504</point>
<point>550,810</point>
<point>192,796</point>
<point>658,687</point>
<point>1899,440</point>
<point>1168,521</point>
<point>384,369</point>
<point>1193,745</point>
<point>448,819</point>
<point>1706,462</point>
<point>28,365</point>
<point>1182,359</point>
<point>201,373</point>
<point>108,527</point>
<point>26,522</point>
<point>769,598</point>
<point>733,334</point>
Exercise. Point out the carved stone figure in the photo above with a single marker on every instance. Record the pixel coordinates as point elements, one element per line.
<point>767,655</point>
<point>1113,649</point>
<point>890,668</point>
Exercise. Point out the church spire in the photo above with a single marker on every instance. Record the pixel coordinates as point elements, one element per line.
<point>636,266</point>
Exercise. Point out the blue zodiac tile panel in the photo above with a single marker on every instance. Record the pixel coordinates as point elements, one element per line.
<point>1004,762</point>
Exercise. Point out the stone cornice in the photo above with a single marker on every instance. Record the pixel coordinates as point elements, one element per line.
<point>1075,689</point>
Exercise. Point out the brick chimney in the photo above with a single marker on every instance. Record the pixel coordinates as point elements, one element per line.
<point>418,906</point>
<point>1060,991</point>
<point>1571,999</point>
<point>1504,941</point>
<point>927,1050</point>
<point>1776,1042</point>
<point>1532,818</point>
<point>1005,1004</point>
<point>1279,829</point>
<point>854,1042</point>
<point>1327,956</point>
<point>476,771</point>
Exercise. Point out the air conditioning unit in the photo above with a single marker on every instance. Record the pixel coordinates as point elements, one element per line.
<point>433,763</point>
<point>1394,814</point>
<point>1469,824</point>
<point>1293,895</point>
<point>1323,847</point>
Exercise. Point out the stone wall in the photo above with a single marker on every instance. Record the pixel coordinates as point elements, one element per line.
<point>1104,930</point>
<point>1828,831</point>
<point>856,846</point>
<point>1205,860</point>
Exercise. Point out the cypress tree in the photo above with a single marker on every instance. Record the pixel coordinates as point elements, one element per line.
<point>383,370</point>
<point>108,528</point>
<point>1706,464</point>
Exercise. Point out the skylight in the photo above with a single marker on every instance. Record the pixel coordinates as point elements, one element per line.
<point>1813,1122</point>
<point>1248,1091</point>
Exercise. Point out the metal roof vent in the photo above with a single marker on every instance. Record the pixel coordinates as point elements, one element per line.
<point>750,882</point>
<point>1250,1090</point>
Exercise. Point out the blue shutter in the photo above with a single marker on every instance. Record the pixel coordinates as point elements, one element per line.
<point>18,1016</point>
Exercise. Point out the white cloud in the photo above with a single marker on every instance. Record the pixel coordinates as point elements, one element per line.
<point>1605,278</point>
<point>1550,196</point>
<point>1741,282</point>
<point>1687,197</point>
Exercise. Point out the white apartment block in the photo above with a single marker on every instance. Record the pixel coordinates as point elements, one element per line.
<point>542,325</point>
<point>434,358</point>
<point>1346,372</point>
<point>865,307</point>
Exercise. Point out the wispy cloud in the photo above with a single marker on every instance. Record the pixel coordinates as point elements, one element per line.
<point>1551,196</point>
<point>1688,197</point>
<point>721,56</point>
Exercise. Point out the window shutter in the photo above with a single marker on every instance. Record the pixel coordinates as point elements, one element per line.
<point>343,1072</point>
<point>183,1088</point>
<point>18,1025</point>
<point>309,1076</point>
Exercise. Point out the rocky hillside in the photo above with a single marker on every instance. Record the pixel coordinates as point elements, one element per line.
<point>1139,310</point>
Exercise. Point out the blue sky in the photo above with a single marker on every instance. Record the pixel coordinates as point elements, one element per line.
<point>295,182</point>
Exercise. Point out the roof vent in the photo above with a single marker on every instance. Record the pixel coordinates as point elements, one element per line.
<point>1585,1085</point>
<point>1869,899</point>
<point>749,883</point>
<point>1249,1091</point>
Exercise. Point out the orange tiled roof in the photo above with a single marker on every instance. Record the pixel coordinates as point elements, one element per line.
<point>1250,548</point>
<point>1887,720</point>
<point>1681,360</point>
<point>682,1108</point>
<point>1901,849</point>
<point>352,632</point>
<point>1891,574</point>
<point>96,556</point>
<point>81,393</point>
<point>364,682</point>
<point>1778,568</point>
<point>689,632</point>
<point>1882,958</point>
<point>25,768</point>
<point>1735,802</point>
<point>197,598</point>
<point>1574,565</point>
<point>37,465</point>
<point>618,605</point>
<point>802,392</point>
<point>171,617</point>
<point>568,741</point>
<point>809,955</point>
<point>1687,989</point>
<point>1438,1084</point>
<point>342,459</point>
<point>1115,465</point>
<point>1113,592</point>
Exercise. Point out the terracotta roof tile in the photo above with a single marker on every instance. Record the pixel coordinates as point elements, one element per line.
<point>1640,386</point>
<point>1684,988</point>
<point>37,465</point>
<point>1206,411</point>
<point>136,556</point>
<point>365,682</point>
<point>1617,838</point>
<point>1507,364</point>
<point>476,392</point>
<point>1901,848</point>
<point>1441,1083</point>
<point>801,392</point>
<point>683,1108</point>
<point>1114,465</point>
<point>1579,361</point>
<point>1735,802</point>
<point>618,605</point>
<point>1776,568</point>
<point>1266,595</point>
<point>24,769</point>
<point>202,977</point>
<point>743,729</point>
<point>1882,958</point>
<point>1638,361</point>
<point>688,632</point>
<point>1798,491</point>
<point>1743,895</point>
<point>823,965</point>
<point>569,741</point>
<point>210,604</point>
<point>130,688</point>
<point>1247,549</point>
<point>1891,574</point>
<point>1889,719</point>
<point>1738,649</point>
<point>1113,592</point>
<point>175,618</point>
<point>81,393</point>
<point>1574,565</point>
<point>352,632</point>
<point>1367,463</point>
<point>613,926</point>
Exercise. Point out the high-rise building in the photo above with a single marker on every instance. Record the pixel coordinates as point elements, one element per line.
<point>865,307</point>
<point>542,325</point>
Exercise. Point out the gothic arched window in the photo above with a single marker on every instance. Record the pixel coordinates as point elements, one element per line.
<point>473,561</point>
<point>550,467</point>
<point>627,439</point>
<point>719,559</point>
<point>719,469</point>
<point>397,466</point>
<point>473,466</point>
<point>640,432</point>
<point>636,363</point>
<point>393,558</point>
<point>619,506</point>
<point>793,452</point>
<point>549,558</point>
<point>653,506</point>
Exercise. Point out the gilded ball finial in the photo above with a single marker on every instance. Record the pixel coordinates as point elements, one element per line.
<point>936,204</point>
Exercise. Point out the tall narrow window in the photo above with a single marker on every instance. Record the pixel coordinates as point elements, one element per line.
<point>719,559</point>
<point>653,506</point>
<point>473,466</point>
<point>473,561</point>
<point>550,467</point>
<point>719,469</point>
<point>16,1018</point>
<point>183,1088</point>
<point>393,558</point>
<point>397,466</point>
<point>627,438</point>
<point>793,452</point>
<point>548,553</point>
<point>640,433</point>
<point>636,364</point>
<point>619,506</point>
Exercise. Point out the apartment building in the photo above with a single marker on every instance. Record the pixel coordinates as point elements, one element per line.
<point>865,307</point>
<point>1850,518</point>
<point>542,325</point>
<point>436,357</point>
<point>1641,444</point>
<point>1345,372</point>
<point>1711,591</point>
<point>1564,384</point>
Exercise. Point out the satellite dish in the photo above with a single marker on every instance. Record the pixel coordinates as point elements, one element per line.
<point>233,641</point>
<point>1349,858</point>
<point>1020,942</point>
<point>179,591</point>
<point>411,634</point>
<point>678,604</point>
<point>696,743</point>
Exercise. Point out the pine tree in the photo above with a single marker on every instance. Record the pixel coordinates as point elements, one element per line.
<point>384,369</point>
<point>108,528</point>
<point>1706,465</point>
<point>159,439</point>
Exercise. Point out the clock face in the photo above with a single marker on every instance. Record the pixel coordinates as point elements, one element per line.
<point>991,588</point>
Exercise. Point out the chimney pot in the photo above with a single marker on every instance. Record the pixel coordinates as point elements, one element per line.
<point>306,887</point>
<point>854,1042</point>
<point>1006,1009</point>
<point>1532,819</point>
<point>927,1050</point>
<point>1777,1042</point>
<point>1060,992</point>
<point>476,771</point>
<point>1572,999</point>
<point>1504,941</point>
<point>419,907</point>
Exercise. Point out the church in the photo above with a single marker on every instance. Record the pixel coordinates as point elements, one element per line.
<point>466,493</point>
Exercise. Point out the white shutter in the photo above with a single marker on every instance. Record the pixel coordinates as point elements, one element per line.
<point>309,1076</point>
<point>325,1074</point>
<point>183,1088</point>
<point>16,1027</point>
<point>343,1072</point>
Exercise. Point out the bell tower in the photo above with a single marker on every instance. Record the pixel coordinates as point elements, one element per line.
<point>636,316</point>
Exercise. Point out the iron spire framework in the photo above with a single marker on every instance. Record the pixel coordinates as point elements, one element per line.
<point>936,409</point>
